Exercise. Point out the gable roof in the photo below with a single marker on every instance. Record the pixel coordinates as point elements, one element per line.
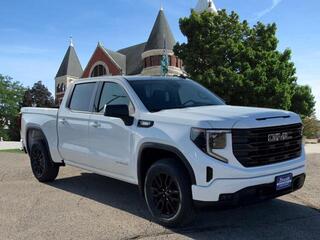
<point>118,58</point>
<point>160,31</point>
<point>70,65</point>
<point>134,64</point>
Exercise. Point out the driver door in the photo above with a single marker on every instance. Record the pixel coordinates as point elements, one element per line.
<point>109,137</point>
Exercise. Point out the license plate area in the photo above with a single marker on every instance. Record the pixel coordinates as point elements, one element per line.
<point>284,181</point>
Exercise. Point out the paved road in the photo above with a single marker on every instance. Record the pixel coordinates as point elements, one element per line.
<point>81,205</point>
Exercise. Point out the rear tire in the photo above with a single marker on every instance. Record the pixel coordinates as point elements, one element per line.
<point>43,168</point>
<point>168,194</point>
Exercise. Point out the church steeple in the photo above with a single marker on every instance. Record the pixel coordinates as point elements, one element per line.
<point>161,31</point>
<point>160,43</point>
<point>205,5</point>
<point>69,70</point>
<point>70,64</point>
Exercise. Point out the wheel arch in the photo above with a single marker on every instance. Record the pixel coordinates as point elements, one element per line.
<point>143,164</point>
<point>33,134</point>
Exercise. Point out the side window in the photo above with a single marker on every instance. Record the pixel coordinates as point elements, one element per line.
<point>113,94</point>
<point>81,97</point>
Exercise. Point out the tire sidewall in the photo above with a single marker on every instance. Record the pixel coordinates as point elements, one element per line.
<point>48,164</point>
<point>169,166</point>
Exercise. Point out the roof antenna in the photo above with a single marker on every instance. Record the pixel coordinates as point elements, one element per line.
<point>71,41</point>
<point>161,5</point>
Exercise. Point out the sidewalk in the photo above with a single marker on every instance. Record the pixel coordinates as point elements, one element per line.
<point>312,148</point>
<point>10,145</point>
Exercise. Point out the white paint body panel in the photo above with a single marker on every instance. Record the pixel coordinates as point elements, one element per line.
<point>112,149</point>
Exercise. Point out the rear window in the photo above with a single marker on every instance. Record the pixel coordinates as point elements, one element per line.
<point>81,97</point>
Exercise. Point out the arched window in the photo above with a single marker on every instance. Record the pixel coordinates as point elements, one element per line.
<point>98,70</point>
<point>58,88</point>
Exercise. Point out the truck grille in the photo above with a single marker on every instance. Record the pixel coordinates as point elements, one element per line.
<point>263,146</point>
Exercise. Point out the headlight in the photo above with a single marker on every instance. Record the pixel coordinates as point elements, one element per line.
<point>210,140</point>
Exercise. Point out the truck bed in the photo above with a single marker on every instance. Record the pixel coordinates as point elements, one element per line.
<point>44,120</point>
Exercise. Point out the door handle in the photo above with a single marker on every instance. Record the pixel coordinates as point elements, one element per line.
<point>63,121</point>
<point>95,125</point>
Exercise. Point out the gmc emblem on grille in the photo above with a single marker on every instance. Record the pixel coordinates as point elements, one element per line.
<point>276,137</point>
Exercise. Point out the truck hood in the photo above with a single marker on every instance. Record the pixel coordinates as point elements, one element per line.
<point>227,117</point>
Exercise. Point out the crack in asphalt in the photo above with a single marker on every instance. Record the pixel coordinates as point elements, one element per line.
<point>3,176</point>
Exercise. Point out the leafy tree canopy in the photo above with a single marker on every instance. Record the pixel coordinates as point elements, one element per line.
<point>11,94</point>
<point>311,127</point>
<point>240,63</point>
<point>303,101</point>
<point>38,96</point>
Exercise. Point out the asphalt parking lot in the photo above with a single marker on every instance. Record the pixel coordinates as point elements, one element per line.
<point>82,205</point>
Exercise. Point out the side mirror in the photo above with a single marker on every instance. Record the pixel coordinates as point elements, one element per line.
<point>119,111</point>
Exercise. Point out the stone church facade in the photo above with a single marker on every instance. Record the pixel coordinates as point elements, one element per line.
<point>140,59</point>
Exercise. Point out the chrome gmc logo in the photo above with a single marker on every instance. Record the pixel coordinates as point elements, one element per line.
<point>277,137</point>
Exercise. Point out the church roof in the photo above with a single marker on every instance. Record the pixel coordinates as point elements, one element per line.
<point>118,58</point>
<point>161,30</point>
<point>134,64</point>
<point>70,65</point>
<point>205,5</point>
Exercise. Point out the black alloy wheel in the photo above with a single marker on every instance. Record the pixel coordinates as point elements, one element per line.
<point>166,195</point>
<point>43,168</point>
<point>38,162</point>
<point>167,190</point>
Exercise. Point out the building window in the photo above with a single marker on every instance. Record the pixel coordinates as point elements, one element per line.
<point>145,63</point>
<point>98,70</point>
<point>151,61</point>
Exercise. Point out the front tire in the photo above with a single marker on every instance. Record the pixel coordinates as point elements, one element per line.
<point>168,194</point>
<point>43,168</point>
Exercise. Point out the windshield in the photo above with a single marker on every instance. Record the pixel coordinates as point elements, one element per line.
<point>159,95</point>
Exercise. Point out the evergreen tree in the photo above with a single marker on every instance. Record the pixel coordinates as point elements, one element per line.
<point>240,63</point>
<point>38,96</point>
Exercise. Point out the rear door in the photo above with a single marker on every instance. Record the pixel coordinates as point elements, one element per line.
<point>73,123</point>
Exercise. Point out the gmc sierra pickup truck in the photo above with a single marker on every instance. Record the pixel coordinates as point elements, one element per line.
<point>179,142</point>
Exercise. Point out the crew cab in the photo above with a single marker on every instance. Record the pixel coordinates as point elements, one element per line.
<point>179,142</point>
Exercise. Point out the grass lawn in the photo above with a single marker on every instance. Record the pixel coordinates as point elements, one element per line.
<point>11,151</point>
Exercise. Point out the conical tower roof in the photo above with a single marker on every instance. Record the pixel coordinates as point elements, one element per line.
<point>205,5</point>
<point>161,31</point>
<point>70,64</point>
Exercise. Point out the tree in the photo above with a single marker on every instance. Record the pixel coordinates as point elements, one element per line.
<point>311,127</point>
<point>38,96</point>
<point>303,101</point>
<point>240,63</point>
<point>11,93</point>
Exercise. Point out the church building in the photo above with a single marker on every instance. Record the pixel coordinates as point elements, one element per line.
<point>140,59</point>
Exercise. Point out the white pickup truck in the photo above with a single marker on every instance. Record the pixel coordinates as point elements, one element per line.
<point>180,143</point>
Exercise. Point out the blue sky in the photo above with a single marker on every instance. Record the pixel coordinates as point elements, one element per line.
<point>34,34</point>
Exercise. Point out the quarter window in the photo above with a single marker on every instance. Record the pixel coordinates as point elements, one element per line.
<point>81,97</point>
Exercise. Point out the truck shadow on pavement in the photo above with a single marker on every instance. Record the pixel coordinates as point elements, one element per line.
<point>275,219</point>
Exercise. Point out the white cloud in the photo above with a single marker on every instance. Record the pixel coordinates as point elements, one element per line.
<point>275,3</point>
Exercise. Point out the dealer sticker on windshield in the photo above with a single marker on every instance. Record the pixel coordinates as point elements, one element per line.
<point>284,181</point>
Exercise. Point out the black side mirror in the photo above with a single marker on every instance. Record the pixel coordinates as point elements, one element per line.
<point>119,111</point>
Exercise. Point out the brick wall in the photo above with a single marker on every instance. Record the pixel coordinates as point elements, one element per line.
<point>101,55</point>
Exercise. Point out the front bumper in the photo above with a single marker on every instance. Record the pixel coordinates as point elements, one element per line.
<point>220,188</point>
<point>253,194</point>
